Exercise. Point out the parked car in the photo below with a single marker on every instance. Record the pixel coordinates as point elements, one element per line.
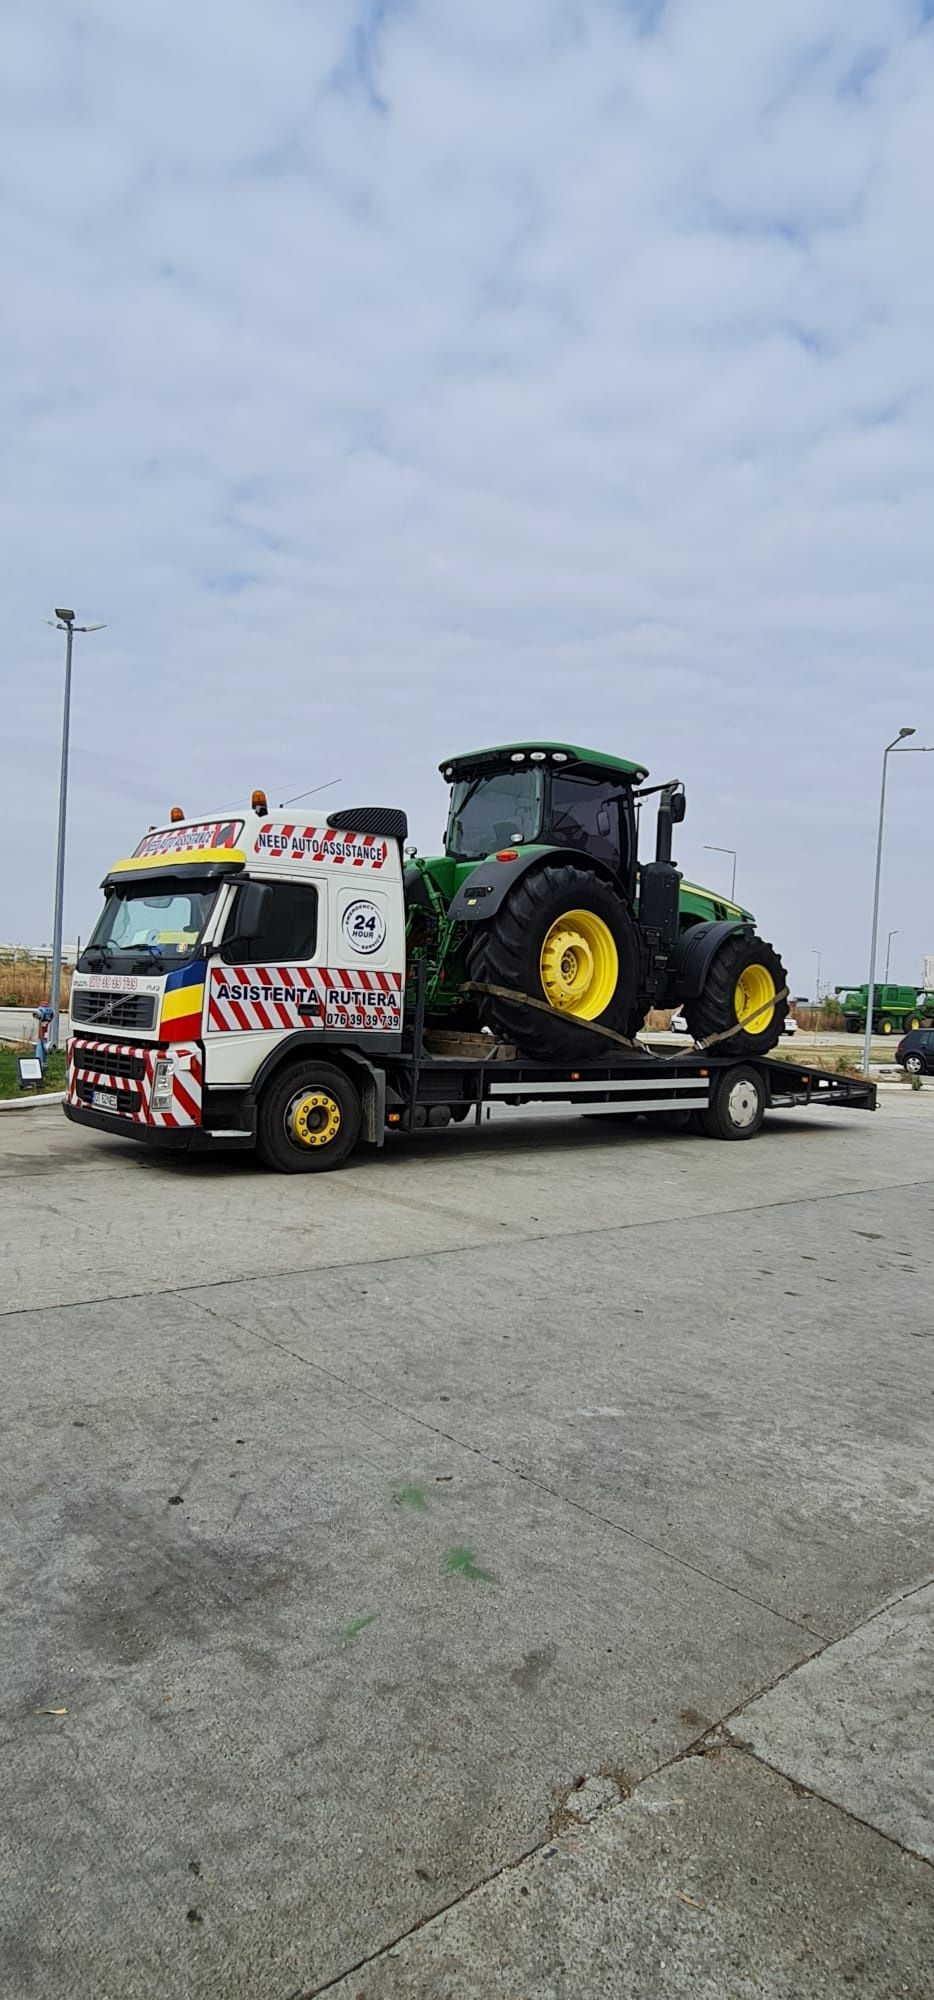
<point>915,1052</point>
<point>678,1025</point>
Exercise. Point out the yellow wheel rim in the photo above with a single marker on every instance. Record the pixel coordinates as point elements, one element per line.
<point>886,1027</point>
<point>755,988</point>
<point>579,965</point>
<point>313,1118</point>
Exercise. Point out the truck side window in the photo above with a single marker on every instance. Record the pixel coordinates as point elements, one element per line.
<point>289,933</point>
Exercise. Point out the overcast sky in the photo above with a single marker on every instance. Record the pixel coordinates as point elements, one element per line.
<point>395,376</point>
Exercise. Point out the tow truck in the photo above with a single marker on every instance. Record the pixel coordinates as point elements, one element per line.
<point>252,983</point>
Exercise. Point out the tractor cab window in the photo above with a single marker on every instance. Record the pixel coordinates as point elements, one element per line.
<point>585,814</point>
<point>502,810</point>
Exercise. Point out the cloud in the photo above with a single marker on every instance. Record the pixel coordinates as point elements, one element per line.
<point>397,376</point>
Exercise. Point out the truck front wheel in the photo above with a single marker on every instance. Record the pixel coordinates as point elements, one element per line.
<point>308,1120</point>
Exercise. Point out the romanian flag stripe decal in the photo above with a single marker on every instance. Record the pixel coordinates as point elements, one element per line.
<point>183,1003</point>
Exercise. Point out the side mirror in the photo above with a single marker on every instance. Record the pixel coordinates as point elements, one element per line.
<point>250,914</point>
<point>679,806</point>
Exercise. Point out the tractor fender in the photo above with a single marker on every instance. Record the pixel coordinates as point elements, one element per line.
<point>693,953</point>
<point>485,889</point>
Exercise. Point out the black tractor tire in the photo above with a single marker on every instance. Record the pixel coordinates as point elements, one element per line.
<point>737,1104</point>
<point>910,1022</point>
<point>309,1119</point>
<point>715,1008</point>
<point>507,950</point>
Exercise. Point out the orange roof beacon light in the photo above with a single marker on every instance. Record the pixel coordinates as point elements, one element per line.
<point>259,802</point>
<point>176,814</point>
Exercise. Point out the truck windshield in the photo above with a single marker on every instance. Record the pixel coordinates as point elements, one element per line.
<point>149,922</point>
<point>502,810</point>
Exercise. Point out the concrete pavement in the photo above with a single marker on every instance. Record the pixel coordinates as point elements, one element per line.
<point>467,1574</point>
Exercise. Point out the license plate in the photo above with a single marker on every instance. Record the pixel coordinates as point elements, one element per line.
<point>105,1100</point>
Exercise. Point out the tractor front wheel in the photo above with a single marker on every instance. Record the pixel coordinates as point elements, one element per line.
<point>566,939</point>
<point>740,1000</point>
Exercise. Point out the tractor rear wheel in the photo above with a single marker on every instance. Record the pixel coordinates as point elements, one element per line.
<point>564,937</point>
<point>744,980</point>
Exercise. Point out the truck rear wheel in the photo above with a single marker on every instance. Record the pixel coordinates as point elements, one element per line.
<point>309,1119</point>
<point>744,979</point>
<point>737,1105</point>
<point>564,937</point>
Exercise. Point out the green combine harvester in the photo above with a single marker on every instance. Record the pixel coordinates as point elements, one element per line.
<point>540,897</point>
<point>895,1009</point>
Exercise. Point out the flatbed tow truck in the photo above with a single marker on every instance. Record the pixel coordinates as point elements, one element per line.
<point>250,984</point>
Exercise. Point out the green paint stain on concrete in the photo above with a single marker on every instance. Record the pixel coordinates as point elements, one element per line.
<point>357,1625</point>
<point>409,1496</point>
<point>463,1562</point>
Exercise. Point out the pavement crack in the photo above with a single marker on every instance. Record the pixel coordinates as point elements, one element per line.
<point>711,1741</point>
<point>549,1235</point>
<point>528,1478</point>
<point>811,1792</point>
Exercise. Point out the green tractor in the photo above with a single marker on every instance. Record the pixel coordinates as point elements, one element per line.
<point>539,895</point>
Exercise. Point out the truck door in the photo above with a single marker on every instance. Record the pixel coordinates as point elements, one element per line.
<point>263,987</point>
<point>366,958</point>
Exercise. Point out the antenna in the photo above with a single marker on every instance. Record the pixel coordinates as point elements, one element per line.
<point>308,795</point>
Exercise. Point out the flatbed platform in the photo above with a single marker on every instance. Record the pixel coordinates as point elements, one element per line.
<point>728,1095</point>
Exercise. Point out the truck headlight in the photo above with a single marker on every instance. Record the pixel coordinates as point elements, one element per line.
<point>162,1084</point>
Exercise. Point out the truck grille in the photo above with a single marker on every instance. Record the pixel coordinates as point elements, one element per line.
<point>93,1008</point>
<point>114,1062</point>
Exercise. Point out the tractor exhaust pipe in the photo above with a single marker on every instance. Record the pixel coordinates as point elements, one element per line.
<point>659,880</point>
<point>672,805</point>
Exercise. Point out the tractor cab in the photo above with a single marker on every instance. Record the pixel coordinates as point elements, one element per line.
<point>520,795</point>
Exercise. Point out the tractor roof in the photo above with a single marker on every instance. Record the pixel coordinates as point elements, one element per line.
<point>595,762</point>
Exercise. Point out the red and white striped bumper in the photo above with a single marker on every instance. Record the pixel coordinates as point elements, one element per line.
<point>129,1082</point>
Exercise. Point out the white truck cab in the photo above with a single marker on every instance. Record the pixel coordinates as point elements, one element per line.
<point>227,948</point>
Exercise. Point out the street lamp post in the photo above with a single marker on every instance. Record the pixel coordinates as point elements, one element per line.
<point>816,954</point>
<point>710,849</point>
<point>64,621</point>
<point>888,954</point>
<point>917,749</point>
